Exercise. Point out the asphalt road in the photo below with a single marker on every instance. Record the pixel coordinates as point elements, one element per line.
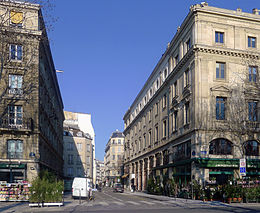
<point>108,201</point>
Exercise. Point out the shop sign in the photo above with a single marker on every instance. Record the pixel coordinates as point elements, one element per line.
<point>14,166</point>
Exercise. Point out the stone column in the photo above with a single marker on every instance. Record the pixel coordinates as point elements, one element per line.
<point>136,175</point>
<point>140,176</point>
<point>148,167</point>
<point>144,174</point>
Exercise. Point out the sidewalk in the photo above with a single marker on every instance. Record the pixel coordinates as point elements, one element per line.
<point>180,200</point>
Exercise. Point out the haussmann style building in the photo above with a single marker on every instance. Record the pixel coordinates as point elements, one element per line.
<point>31,107</point>
<point>197,114</point>
<point>77,154</point>
<point>113,159</point>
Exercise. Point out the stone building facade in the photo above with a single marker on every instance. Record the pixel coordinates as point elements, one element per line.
<point>197,114</point>
<point>31,107</point>
<point>99,172</point>
<point>113,160</point>
<point>77,154</point>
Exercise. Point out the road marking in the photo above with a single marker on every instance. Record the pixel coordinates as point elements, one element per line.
<point>103,203</point>
<point>134,203</point>
<point>147,202</point>
<point>118,203</point>
<point>113,197</point>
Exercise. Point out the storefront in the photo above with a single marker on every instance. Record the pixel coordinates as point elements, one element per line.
<point>12,173</point>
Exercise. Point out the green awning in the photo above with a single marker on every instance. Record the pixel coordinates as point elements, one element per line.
<point>221,173</point>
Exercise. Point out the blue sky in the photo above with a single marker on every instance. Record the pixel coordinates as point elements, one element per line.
<point>108,48</point>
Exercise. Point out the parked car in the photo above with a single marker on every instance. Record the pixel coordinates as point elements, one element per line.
<point>118,188</point>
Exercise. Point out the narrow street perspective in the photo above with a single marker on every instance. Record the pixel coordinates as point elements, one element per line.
<point>129,106</point>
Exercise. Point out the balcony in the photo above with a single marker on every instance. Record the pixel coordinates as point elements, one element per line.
<point>25,124</point>
<point>15,91</point>
<point>252,125</point>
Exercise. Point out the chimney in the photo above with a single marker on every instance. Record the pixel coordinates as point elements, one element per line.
<point>204,4</point>
<point>255,11</point>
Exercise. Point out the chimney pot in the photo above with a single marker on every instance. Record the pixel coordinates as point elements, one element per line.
<point>255,11</point>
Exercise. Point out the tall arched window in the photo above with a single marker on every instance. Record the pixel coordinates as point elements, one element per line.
<point>251,148</point>
<point>220,146</point>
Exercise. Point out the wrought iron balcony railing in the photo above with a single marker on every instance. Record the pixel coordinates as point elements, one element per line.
<point>22,124</point>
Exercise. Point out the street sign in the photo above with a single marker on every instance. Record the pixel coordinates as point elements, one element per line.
<point>242,167</point>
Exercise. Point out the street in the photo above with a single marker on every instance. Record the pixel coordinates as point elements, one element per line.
<point>108,201</point>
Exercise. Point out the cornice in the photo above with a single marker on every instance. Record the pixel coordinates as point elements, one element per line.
<point>227,52</point>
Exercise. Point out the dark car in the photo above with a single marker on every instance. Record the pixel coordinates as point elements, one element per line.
<point>118,188</point>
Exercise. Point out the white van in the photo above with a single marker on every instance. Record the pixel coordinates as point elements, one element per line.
<point>80,187</point>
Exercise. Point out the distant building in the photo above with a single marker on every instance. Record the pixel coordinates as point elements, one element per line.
<point>77,155</point>
<point>31,107</point>
<point>99,171</point>
<point>113,159</point>
<point>198,114</point>
<point>83,122</point>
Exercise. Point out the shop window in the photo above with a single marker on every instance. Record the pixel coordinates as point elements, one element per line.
<point>220,146</point>
<point>251,148</point>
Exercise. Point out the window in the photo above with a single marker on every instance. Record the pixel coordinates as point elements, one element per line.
<point>187,78</point>
<point>252,42</point>
<point>149,115</point>
<point>16,52</point>
<point>176,60</point>
<point>164,128</point>
<point>188,44</point>
<point>164,101</point>
<point>175,121</point>
<point>15,84</point>
<point>119,141</point>
<point>150,138</point>
<point>88,147</point>
<point>15,115</point>
<point>15,149</point>
<point>156,108</point>
<point>113,142</point>
<point>252,111</point>
<point>220,108</point>
<point>119,149</point>
<point>220,147</point>
<point>16,19</point>
<point>219,37</point>
<point>88,160</point>
<point>145,141</point>
<point>140,144</point>
<point>251,148</point>
<point>70,171</point>
<point>252,74</point>
<point>113,149</point>
<point>220,70</point>
<point>165,74</point>
<point>187,113</point>
<point>70,159</point>
<point>79,146</point>
<point>151,93</point>
<point>114,157</point>
<point>175,89</point>
<point>70,146</point>
<point>156,135</point>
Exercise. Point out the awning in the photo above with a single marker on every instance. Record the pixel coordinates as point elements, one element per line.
<point>125,175</point>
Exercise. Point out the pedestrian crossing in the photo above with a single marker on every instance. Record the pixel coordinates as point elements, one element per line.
<point>141,203</point>
<point>126,203</point>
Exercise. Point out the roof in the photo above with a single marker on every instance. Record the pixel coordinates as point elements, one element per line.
<point>117,134</point>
